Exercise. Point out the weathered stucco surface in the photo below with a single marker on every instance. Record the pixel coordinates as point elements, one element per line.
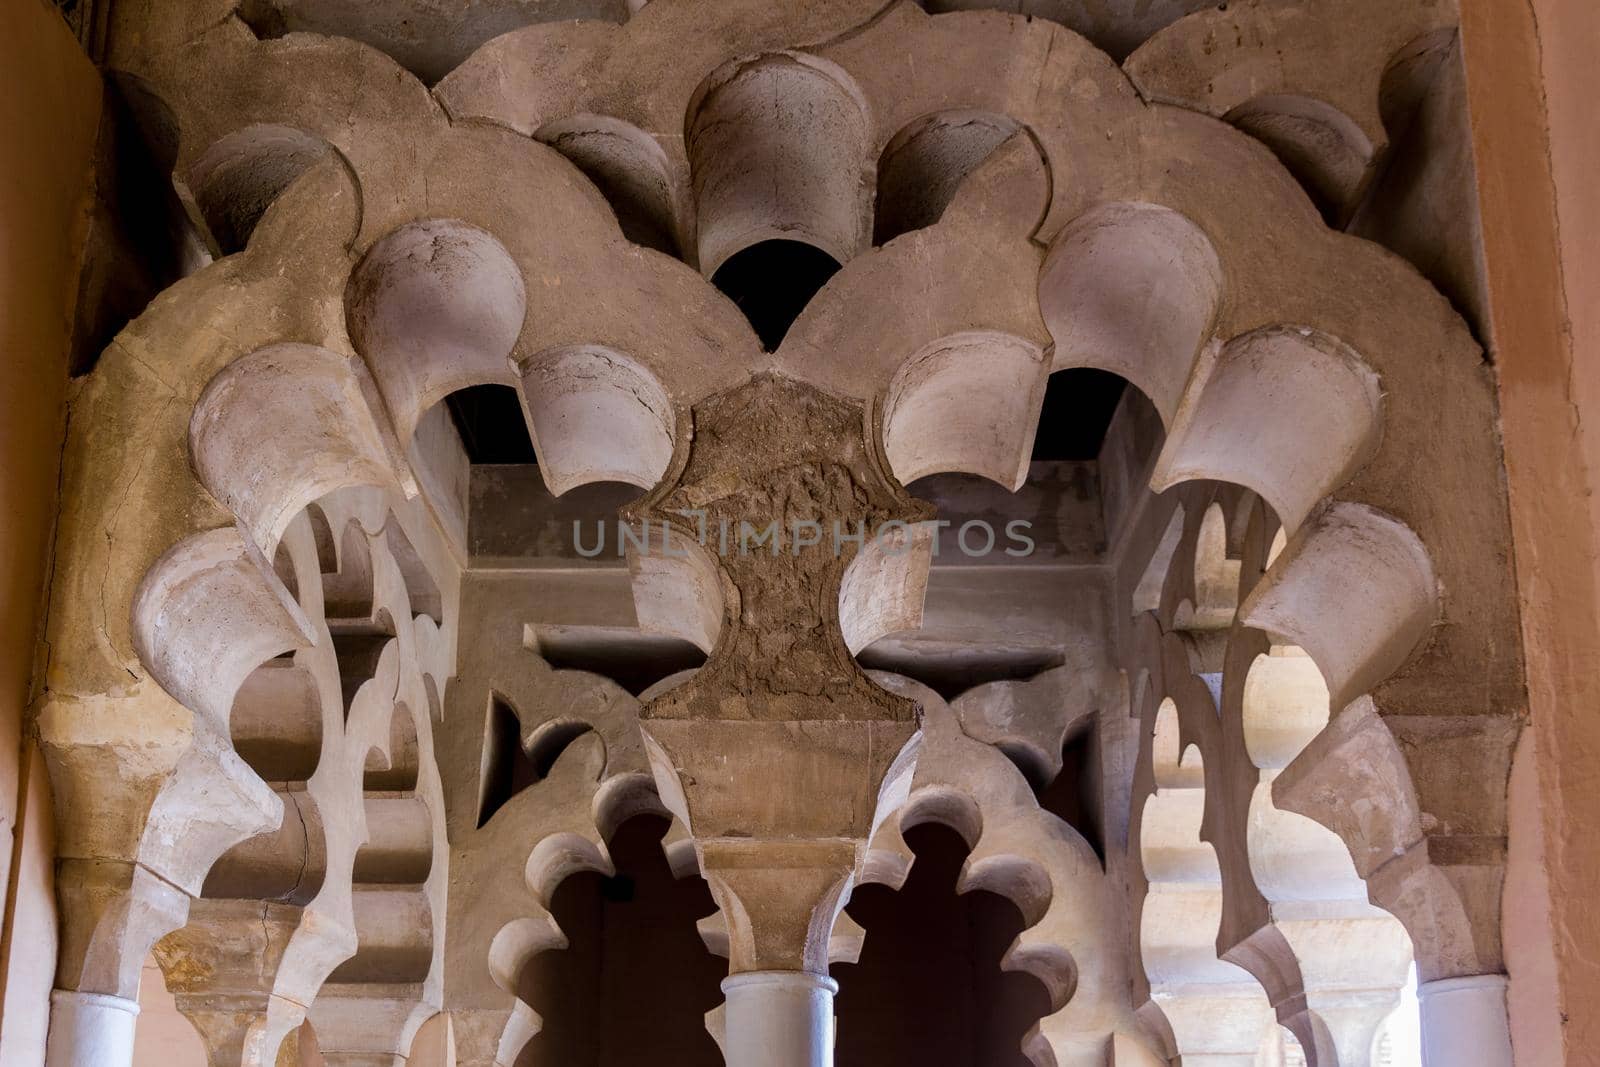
<point>329,718</point>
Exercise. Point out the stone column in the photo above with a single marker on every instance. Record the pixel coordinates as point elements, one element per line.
<point>90,1030</point>
<point>779,1019</point>
<point>1464,1022</point>
<point>780,756</point>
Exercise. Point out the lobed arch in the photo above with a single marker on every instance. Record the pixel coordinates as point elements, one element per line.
<point>616,52</point>
<point>883,59</point>
<point>1134,289</point>
<point>1317,901</point>
<point>1330,123</point>
<point>923,166</point>
<point>969,403</point>
<point>779,147</point>
<point>1210,1007</point>
<point>504,918</point>
<point>1291,887</point>
<point>236,180</point>
<point>1285,975</point>
<point>1389,630</point>
<point>1030,857</point>
<point>1375,487</point>
<point>1184,865</point>
<point>643,185</point>
<point>1317,896</point>
<point>936,19</point>
<point>312,886</point>
<point>383,782</point>
<point>1285,883</point>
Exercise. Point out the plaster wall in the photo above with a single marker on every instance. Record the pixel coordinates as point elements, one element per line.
<point>49,114</point>
<point>1532,85</point>
<point>164,1038</point>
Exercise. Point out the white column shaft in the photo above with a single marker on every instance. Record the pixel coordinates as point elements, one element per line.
<point>90,1030</point>
<point>1464,1022</point>
<point>779,1019</point>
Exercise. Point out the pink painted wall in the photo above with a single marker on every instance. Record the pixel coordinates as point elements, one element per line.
<point>164,1038</point>
<point>49,114</point>
<point>1533,86</point>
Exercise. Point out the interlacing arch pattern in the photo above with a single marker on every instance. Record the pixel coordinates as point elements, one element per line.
<point>1288,932</point>
<point>1005,202</point>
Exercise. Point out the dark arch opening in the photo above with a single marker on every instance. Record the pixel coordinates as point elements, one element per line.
<point>928,988</point>
<point>772,282</point>
<point>635,981</point>
<point>1077,411</point>
<point>489,420</point>
<point>1074,794</point>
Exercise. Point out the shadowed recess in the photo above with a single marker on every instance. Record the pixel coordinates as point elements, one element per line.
<point>636,981</point>
<point>489,420</point>
<point>1073,795</point>
<point>772,282</point>
<point>508,769</point>
<point>1078,405</point>
<point>950,669</point>
<point>929,988</point>
<point>511,762</point>
<point>632,658</point>
<point>144,240</point>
